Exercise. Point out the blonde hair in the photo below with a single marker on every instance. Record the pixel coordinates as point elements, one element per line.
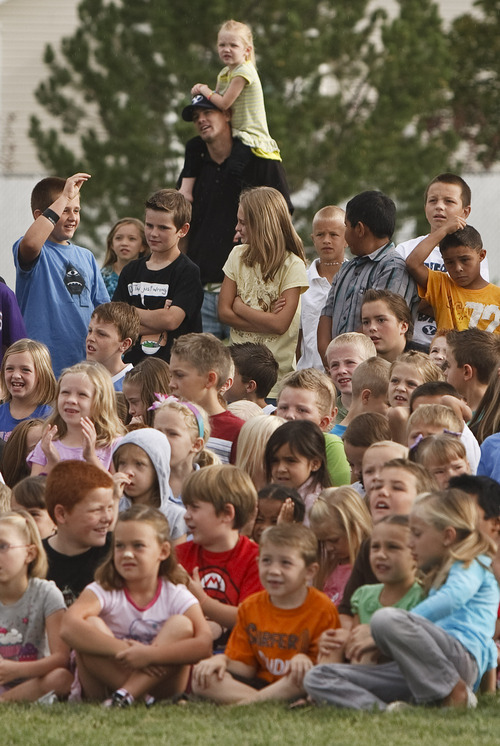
<point>108,576</point>
<point>372,374</point>
<point>203,457</point>
<point>245,409</point>
<point>311,379</point>
<point>439,449</point>
<point>293,535</point>
<point>45,386</point>
<point>205,353</point>
<point>5,498</point>
<point>178,405</point>
<point>453,508</point>
<point>103,407</point>
<point>329,212</point>
<point>271,234</point>
<point>111,257</point>
<point>27,528</point>
<point>252,442</point>
<point>390,444</point>
<point>346,510</point>
<point>221,486</point>
<point>245,34</point>
<point>422,363</point>
<point>364,344</point>
<point>437,415</point>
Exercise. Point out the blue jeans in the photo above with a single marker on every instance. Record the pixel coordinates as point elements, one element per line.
<point>210,317</point>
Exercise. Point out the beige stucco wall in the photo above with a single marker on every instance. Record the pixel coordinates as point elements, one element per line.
<point>26,26</point>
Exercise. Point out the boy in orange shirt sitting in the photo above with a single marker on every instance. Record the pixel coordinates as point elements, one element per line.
<point>461,299</point>
<point>275,640</point>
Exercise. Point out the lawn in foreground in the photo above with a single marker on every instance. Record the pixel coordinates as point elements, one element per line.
<point>91,725</point>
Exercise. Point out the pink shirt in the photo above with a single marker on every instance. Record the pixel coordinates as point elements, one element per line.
<point>336,582</point>
<point>67,453</point>
<point>127,620</point>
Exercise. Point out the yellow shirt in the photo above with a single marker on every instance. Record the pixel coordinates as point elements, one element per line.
<point>460,308</point>
<point>261,295</point>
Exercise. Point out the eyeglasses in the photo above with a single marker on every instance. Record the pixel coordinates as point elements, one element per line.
<point>4,548</point>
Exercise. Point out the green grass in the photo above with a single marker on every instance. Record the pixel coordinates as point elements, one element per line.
<point>262,725</point>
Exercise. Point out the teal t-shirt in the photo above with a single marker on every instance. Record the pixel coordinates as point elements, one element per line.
<point>366,600</point>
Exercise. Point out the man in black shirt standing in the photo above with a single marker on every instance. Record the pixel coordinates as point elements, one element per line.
<point>225,167</point>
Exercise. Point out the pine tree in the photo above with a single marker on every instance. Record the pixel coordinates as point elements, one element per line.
<point>475,45</point>
<point>355,99</point>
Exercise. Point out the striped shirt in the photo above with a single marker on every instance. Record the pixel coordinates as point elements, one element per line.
<point>383,268</point>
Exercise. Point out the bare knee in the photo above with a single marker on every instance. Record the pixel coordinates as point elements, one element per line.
<point>177,627</point>
<point>98,623</point>
<point>59,680</point>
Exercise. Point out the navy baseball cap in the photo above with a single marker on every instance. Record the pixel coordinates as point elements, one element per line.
<point>198,102</point>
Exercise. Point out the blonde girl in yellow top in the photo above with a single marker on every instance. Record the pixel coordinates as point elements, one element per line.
<point>239,89</point>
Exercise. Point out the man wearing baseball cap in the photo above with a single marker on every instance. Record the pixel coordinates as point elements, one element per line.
<point>223,166</point>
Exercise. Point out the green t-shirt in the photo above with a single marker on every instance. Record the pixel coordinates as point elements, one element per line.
<point>336,462</point>
<point>366,600</point>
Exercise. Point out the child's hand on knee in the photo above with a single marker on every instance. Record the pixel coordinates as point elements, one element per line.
<point>331,640</point>
<point>204,670</point>
<point>9,671</point>
<point>299,666</point>
<point>360,642</point>
<point>137,655</point>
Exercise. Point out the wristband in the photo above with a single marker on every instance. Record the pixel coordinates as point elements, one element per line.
<point>210,95</point>
<point>51,215</point>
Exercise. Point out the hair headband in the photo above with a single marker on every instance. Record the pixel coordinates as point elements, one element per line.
<point>167,398</point>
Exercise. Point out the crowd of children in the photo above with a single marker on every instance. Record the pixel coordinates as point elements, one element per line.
<point>309,512</point>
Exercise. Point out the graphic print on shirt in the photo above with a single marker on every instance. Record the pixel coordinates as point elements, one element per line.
<point>485,312</point>
<point>144,630</point>
<point>75,283</point>
<point>152,289</point>
<point>11,645</point>
<point>277,640</point>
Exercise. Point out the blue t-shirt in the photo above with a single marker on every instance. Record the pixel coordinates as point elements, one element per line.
<point>466,607</point>
<point>8,423</point>
<point>57,294</point>
<point>489,464</point>
<point>338,430</point>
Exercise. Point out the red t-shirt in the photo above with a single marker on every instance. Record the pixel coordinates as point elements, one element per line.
<point>224,430</point>
<point>228,576</point>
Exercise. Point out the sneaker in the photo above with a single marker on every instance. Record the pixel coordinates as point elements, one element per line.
<point>48,699</point>
<point>471,700</point>
<point>397,706</point>
<point>117,699</point>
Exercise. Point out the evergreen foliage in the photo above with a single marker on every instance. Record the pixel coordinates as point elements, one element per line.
<point>355,99</point>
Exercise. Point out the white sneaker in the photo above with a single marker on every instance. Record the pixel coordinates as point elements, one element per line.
<point>471,700</point>
<point>48,699</point>
<point>397,706</point>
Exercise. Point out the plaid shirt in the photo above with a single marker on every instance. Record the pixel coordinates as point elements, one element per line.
<point>383,268</point>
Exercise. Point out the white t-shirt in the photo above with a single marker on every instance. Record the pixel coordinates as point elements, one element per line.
<point>312,302</point>
<point>471,447</point>
<point>127,620</point>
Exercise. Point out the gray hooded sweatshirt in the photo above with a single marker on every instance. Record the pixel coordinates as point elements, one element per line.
<point>157,447</point>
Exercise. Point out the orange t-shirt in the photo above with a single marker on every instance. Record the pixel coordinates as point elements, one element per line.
<point>268,637</point>
<point>460,308</point>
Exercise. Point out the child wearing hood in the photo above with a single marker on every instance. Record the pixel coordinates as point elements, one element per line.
<point>143,459</point>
